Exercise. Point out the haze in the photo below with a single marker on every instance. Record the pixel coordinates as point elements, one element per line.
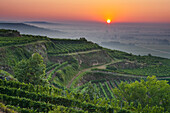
<point>86,10</point>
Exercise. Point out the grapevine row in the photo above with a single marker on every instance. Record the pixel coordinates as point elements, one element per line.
<point>103,90</point>
<point>36,97</point>
<point>111,93</point>
<point>51,67</point>
<point>56,68</point>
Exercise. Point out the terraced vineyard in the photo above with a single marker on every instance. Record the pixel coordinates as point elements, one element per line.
<point>54,46</point>
<point>161,71</point>
<point>107,86</point>
<point>140,65</point>
<point>10,41</point>
<point>26,98</point>
<point>51,66</point>
<point>57,66</point>
<point>90,73</point>
<point>69,46</point>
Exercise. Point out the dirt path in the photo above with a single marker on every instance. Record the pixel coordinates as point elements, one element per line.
<point>28,43</point>
<point>109,85</point>
<point>47,73</point>
<point>82,52</point>
<point>104,67</point>
<point>89,69</point>
<point>69,84</point>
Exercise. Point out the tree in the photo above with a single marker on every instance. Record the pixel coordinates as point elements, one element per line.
<point>151,93</point>
<point>83,39</point>
<point>31,70</point>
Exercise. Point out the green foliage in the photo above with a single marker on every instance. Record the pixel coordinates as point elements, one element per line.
<point>103,90</point>
<point>77,78</point>
<point>83,39</point>
<point>26,103</point>
<point>146,96</point>
<point>8,41</point>
<point>61,46</point>
<point>39,101</point>
<point>31,70</point>
<point>5,74</point>
<point>92,90</point>
<point>118,54</point>
<point>51,67</point>
<point>108,88</point>
<point>62,109</point>
<point>11,55</point>
<point>142,65</point>
<point>110,67</point>
<point>21,110</point>
<point>6,109</point>
<point>66,73</point>
<point>149,71</point>
<point>49,77</point>
<point>6,31</point>
<point>151,93</point>
<point>140,59</point>
<point>26,98</point>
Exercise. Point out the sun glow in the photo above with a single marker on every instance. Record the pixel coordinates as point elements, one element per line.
<point>108,21</point>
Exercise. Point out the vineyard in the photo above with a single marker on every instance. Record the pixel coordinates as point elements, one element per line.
<point>160,71</point>
<point>139,65</point>
<point>26,98</point>
<point>78,76</point>
<point>11,41</point>
<point>68,46</point>
<point>106,86</point>
<point>58,46</point>
<point>57,66</point>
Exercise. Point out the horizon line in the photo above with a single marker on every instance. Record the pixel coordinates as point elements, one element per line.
<point>81,21</point>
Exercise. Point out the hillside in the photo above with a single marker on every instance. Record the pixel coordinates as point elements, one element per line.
<point>81,75</point>
<point>25,28</point>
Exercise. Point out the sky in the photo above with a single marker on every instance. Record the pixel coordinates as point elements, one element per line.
<point>86,10</point>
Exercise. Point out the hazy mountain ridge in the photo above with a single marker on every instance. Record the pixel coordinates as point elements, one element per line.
<point>42,22</point>
<point>28,29</point>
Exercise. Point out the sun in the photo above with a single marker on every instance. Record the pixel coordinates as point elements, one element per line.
<point>108,21</point>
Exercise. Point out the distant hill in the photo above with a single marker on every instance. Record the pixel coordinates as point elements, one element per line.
<point>29,29</point>
<point>42,22</point>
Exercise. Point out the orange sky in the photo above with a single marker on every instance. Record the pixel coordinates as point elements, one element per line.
<point>86,10</point>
